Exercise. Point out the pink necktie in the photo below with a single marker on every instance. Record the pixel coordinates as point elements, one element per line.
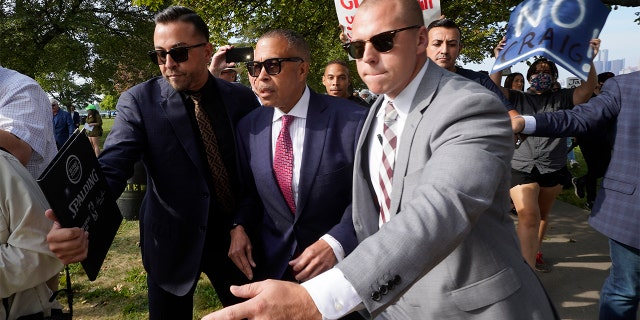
<point>389,142</point>
<point>283,162</point>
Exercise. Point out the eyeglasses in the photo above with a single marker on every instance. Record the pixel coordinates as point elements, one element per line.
<point>272,66</point>
<point>383,42</point>
<point>178,54</point>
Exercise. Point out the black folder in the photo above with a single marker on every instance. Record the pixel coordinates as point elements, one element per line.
<point>77,191</point>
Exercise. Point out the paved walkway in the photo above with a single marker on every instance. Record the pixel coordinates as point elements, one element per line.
<point>579,258</point>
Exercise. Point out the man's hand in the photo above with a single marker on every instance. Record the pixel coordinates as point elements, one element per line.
<point>218,61</point>
<point>270,299</point>
<point>499,47</point>
<point>240,251</point>
<point>314,260</point>
<point>595,45</point>
<point>68,244</point>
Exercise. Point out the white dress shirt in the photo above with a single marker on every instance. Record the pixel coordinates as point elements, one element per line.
<point>297,132</point>
<point>332,293</point>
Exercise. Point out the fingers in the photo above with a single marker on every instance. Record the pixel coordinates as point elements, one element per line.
<point>68,244</point>
<point>49,214</point>
<point>314,260</point>
<point>240,252</point>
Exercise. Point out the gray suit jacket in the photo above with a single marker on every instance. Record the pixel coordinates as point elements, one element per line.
<point>451,250</point>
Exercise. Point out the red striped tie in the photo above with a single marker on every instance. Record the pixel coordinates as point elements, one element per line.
<point>283,162</point>
<point>389,141</point>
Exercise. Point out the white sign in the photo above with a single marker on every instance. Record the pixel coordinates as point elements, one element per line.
<point>346,10</point>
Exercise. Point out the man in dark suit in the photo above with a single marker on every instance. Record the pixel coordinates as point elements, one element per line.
<point>181,126</point>
<point>300,227</point>
<point>615,211</point>
<point>435,238</point>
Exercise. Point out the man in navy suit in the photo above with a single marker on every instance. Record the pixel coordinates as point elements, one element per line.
<point>615,211</point>
<point>184,218</point>
<point>296,229</point>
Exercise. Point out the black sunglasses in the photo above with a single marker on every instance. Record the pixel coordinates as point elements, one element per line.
<point>272,66</point>
<point>383,42</point>
<point>178,54</point>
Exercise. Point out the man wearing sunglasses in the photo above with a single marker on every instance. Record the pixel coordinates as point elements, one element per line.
<point>447,248</point>
<point>186,214</point>
<point>293,225</point>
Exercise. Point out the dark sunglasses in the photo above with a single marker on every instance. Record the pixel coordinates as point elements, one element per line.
<point>272,66</point>
<point>178,54</point>
<point>383,42</point>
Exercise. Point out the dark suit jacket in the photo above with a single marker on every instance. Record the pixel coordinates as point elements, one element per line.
<point>615,212</point>
<point>153,125</point>
<point>324,199</point>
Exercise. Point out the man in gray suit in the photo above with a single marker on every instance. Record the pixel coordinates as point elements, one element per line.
<point>436,242</point>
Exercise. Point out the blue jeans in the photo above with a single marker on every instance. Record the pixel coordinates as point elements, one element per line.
<point>620,293</point>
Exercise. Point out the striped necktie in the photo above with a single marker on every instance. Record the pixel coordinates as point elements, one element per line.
<point>389,141</point>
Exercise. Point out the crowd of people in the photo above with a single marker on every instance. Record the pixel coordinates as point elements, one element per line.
<point>344,205</point>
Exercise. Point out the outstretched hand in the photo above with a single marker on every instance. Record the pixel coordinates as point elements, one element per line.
<point>68,244</point>
<point>270,299</point>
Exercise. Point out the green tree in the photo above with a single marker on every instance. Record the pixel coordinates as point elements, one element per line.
<point>74,47</point>
<point>482,24</point>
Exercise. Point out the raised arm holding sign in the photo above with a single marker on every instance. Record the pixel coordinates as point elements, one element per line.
<point>557,29</point>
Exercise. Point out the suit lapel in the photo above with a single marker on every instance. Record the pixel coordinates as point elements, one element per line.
<point>424,96</point>
<point>314,141</point>
<point>176,112</point>
<point>366,209</point>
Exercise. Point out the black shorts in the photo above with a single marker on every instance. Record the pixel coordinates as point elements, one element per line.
<point>550,179</point>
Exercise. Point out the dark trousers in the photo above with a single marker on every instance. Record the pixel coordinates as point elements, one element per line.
<point>216,265</point>
<point>597,154</point>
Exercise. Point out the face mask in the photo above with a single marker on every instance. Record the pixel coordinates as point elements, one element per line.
<point>542,82</point>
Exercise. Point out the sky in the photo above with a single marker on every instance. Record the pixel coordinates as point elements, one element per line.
<point>620,35</point>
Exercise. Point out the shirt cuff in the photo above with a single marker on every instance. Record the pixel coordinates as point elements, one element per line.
<point>333,295</point>
<point>529,124</point>
<point>335,245</point>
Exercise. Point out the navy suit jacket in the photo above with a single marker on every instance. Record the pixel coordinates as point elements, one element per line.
<point>615,211</point>
<point>153,125</point>
<point>324,199</point>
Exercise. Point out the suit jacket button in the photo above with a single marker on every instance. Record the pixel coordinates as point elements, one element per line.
<point>375,296</point>
<point>384,289</point>
<point>396,280</point>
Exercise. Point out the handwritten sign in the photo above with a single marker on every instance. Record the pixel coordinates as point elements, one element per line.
<point>557,29</point>
<point>346,10</point>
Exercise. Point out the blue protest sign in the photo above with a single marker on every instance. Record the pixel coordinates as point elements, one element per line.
<point>557,29</point>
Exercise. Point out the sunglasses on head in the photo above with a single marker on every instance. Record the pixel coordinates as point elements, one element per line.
<point>272,66</point>
<point>383,42</point>
<point>178,54</point>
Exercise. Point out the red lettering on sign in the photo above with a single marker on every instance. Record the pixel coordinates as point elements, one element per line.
<point>350,4</point>
<point>426,4</point>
